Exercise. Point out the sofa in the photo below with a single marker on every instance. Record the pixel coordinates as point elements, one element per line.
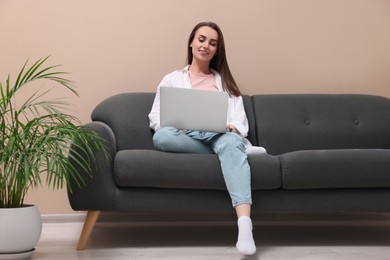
<point>325,153</point>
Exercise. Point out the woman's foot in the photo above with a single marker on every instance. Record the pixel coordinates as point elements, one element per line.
<point>245,243</point>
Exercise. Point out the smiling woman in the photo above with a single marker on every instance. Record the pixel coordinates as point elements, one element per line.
<point>208,69</point>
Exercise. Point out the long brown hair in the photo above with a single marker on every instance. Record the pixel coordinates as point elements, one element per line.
<point>219,61</point>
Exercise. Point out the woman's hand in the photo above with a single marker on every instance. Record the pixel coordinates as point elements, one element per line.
<point>231,128</point>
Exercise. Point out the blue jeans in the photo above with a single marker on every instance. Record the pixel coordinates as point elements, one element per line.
<point>228,146</point>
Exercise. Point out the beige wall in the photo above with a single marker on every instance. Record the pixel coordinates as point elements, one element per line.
<point>273,46</point>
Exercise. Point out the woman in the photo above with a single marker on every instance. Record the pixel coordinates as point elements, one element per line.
<point>208,69</point>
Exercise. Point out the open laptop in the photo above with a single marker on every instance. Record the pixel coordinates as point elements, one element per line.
<point>190,109</point>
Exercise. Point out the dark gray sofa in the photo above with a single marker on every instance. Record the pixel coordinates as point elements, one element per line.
<point>326,153</point>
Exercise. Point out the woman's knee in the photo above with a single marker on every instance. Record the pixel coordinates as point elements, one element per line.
<point>233,139</point>
<point>163,136</point>
<point>230,141</point>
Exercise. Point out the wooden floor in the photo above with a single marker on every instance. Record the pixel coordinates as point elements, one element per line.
<point>278,236</point>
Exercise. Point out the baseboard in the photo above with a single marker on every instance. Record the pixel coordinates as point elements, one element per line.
<point>63,218</point>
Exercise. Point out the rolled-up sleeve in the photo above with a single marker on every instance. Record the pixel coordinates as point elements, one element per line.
<point>154,115</point>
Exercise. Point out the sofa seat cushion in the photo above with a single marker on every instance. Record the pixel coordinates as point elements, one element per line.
<point>345,168</point>
<point>150,168</point>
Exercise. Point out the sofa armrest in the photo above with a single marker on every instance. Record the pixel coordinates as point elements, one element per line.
<point>100,189</point>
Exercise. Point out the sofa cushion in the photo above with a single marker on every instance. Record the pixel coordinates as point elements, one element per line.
<point>146,168</point>
<point>346,168</point>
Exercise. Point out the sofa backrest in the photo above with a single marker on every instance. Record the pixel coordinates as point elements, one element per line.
<point>294,122</point>
<point>280,123</point>
<point>127,115</point>
<point>250,114</point>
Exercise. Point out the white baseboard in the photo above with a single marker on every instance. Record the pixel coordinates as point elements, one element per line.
<point>63,218</point>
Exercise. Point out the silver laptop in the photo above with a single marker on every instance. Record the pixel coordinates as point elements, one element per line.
<point>190,109</point>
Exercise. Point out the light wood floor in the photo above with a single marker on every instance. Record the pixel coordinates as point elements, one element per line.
<point>278,236</point>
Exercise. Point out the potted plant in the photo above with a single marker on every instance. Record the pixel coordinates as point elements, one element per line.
<point>37,141</point>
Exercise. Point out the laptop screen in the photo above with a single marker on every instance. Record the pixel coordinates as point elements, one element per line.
<point>190,109</point>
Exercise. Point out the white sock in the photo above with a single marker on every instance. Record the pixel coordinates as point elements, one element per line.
<point>255,150</point>
<point>250,149</point>
<point>245,243</point>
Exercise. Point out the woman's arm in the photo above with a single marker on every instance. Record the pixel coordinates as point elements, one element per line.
<point>237,120</point>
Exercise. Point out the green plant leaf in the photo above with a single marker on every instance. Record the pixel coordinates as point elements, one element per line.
<point>38,138</point>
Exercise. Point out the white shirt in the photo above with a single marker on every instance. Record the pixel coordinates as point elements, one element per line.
<point>180,79</point>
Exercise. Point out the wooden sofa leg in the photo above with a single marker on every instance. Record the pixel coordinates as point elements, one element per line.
<point>89,223</point>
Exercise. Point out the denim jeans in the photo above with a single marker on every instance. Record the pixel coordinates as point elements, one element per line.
<point>228,146</point>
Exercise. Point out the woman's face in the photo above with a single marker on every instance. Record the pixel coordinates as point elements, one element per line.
<point>204,45</point>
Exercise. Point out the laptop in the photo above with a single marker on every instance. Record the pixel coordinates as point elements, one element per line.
<point>190,109</point>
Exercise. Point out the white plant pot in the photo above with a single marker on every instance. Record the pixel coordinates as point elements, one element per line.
<point>20,230</point>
